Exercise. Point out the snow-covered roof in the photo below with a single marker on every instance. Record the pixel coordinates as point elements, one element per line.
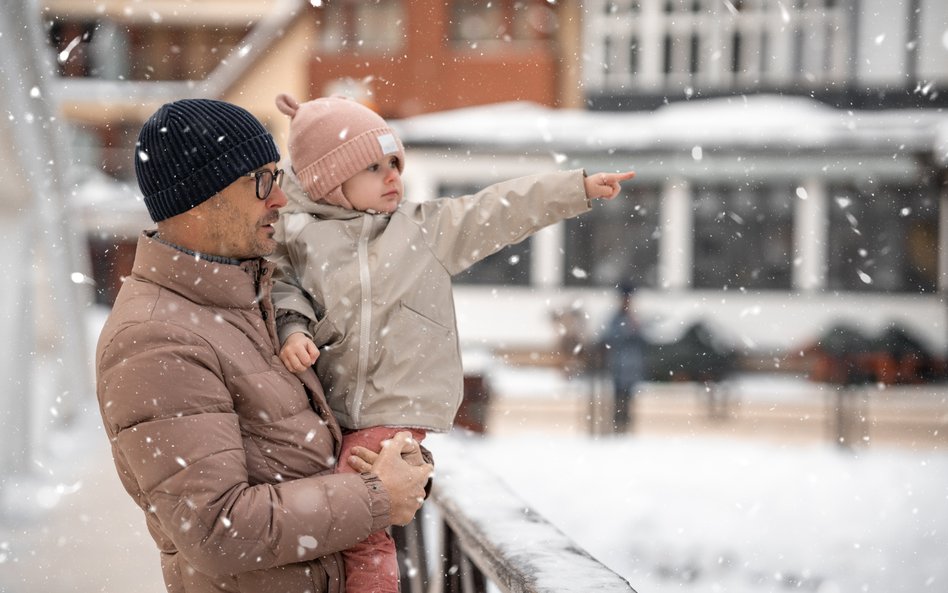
<point>755,121</point>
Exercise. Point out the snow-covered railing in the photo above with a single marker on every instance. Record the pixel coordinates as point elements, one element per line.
<point>490,534</point>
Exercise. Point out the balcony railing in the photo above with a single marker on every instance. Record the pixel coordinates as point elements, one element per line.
<point>484,533</point>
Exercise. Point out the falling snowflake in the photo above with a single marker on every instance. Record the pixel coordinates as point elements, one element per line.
<point>80,278</point>
<point>64,54</point>
<point>784,13</point>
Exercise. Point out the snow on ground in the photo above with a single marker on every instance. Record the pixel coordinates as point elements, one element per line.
<point>706,515</point>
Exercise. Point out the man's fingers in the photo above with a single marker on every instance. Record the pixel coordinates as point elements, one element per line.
<point>426,470</point>
<point>367,456</point>
<point>359,464</point>
<point>401,444</point>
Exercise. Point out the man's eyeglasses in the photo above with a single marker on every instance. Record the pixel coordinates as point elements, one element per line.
<point>265,180</point>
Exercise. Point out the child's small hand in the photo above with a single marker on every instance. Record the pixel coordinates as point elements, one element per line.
<point>605,185</point>
<point>298,352</point>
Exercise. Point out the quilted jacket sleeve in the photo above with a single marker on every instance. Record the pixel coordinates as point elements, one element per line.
<point>176,438</point>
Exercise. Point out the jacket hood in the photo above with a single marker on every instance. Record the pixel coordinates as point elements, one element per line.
<point>299,201</point>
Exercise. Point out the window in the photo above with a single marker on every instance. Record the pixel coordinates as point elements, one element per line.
<point>715,45</point>
<point>509,266</point>
<point>501,20</point>
<point>70,40</point>
<point>376,26</point>
<point>743,237</point>
<point>883,239</point>
<point>616,242</point>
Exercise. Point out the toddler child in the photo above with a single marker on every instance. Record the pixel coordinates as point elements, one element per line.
<point>364,288</point>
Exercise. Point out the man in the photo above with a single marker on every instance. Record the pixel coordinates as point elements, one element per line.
<point>625,357</point>
<point>229,455</point>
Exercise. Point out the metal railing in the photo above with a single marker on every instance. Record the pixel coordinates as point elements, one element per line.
<point>486,534</point>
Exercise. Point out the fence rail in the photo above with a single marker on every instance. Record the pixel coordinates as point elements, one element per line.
<point>488,534</point>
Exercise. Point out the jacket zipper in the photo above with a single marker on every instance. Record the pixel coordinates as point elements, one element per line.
<point>365,319</point>
<point>257,286</point>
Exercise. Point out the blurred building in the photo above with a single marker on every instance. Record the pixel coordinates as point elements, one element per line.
<point>791,154</point>
<point>120,60</point>
<point>792,171</point>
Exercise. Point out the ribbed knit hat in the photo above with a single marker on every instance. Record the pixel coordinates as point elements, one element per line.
<point>333,138</point>
<point>191,149</point>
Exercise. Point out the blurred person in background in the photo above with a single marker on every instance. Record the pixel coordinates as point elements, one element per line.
<point>623,347</point>
<point>229,455</point>
<point>365,286</point>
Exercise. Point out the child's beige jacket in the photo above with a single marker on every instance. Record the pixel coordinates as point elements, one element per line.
<point>374,290</point>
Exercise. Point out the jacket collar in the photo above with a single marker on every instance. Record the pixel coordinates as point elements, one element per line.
<point>236,286</point>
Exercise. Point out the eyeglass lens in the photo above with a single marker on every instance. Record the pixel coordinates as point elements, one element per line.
<point>265,181</point>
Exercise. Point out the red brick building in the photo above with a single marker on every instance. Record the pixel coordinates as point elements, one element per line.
<point>432,55</point>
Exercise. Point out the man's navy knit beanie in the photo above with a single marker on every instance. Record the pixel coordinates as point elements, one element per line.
<point>191,149</point>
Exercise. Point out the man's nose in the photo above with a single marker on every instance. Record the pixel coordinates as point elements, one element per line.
<point>276,199</point>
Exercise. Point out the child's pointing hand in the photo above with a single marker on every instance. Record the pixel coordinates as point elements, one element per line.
<point>605,185</point>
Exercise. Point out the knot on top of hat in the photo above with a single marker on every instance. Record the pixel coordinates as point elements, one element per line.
<point>287,104</point>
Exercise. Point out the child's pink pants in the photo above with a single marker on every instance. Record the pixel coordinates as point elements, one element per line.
<point>371,565</point>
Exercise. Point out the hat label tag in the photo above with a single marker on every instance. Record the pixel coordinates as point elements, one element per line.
<point>387,143</point>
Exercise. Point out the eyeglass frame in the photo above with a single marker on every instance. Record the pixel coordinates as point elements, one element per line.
<point>276,178</point>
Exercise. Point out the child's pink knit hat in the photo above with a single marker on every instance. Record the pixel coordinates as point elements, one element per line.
<point>332,139</point>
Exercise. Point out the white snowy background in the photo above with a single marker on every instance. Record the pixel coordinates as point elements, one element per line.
<point>739,516</point>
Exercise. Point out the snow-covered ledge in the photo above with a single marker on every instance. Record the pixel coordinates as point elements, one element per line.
<point>508,542</point>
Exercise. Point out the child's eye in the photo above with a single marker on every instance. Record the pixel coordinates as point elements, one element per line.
<point>394,162</point>
<point>373,168</point>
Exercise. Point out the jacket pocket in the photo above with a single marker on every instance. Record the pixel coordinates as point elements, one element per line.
<point>413,315</point>
<point>420,341</point>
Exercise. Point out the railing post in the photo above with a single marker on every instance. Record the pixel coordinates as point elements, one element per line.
<point>413,562</point>
<point>460,574</point>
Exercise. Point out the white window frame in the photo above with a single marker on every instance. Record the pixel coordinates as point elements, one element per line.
<point>802,43</point>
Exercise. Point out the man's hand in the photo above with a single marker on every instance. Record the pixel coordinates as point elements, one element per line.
<point>298,352</point>
<point>403,480</point>
<point>605,185</point>
<point>362,458</point>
